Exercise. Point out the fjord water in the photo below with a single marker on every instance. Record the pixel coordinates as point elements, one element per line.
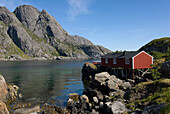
<point>44,80</point>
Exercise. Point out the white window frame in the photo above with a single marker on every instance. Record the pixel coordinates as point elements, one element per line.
<point>114,61</point>
<point>106,60</point>
<point>127,61</point>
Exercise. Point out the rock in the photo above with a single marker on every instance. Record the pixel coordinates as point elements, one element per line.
<point>90,106</point>
<point>27,110</point>
<point>3,108</point>
<point>12,92</point>
<point>3,88</point>
<point>73,99</point>
<point>90,93</point>
<point>15,57</point>
<point>102,77</point>
<point>117,107</point>
<point>74,96</point>
<point>94,112</point>
<point>116,80</point>
<point>95,100</point>
<point>165,69</point>
<point>88,71</point>
<point>85,98</point>
<point>126,85</point>
<point>111,85</point>
<point>101,104</point>
<point>106,98</point>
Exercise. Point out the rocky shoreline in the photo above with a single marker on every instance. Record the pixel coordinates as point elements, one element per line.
<point>18,58</point>
<point>104,93</point>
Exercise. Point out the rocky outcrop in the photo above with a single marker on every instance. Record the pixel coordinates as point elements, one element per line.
<point>3,88</point>
<point>3,108</point>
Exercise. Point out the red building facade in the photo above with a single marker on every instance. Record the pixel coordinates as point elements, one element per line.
<point>130,60</point>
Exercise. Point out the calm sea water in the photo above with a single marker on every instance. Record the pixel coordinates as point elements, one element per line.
<point>44,80</point>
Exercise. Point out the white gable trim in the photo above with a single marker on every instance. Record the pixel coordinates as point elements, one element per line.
<point>137,55</point>
<point>141,52</point>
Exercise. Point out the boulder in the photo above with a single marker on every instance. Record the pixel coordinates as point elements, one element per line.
<point>84,97</point>
<point>3,88</point>
<point>126,85</point>
<point>111,84</point>
<point>3,108</point>
<point>116,80</point>
<point>117,107</point>
<point>28,110</point>
<point>165,69</point>
<point>96,101</point>
<point>88,71</point>
<point>102,77</point>
<point>73,99</point>
<point>12,92</point>
<point>90,93</point>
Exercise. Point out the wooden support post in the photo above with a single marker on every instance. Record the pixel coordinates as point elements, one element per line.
<point>126,72</point>
<point>133,73</point>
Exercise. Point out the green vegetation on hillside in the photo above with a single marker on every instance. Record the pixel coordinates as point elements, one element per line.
<point>158,48</point>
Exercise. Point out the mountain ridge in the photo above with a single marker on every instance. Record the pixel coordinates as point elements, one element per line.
<point>37,34</point>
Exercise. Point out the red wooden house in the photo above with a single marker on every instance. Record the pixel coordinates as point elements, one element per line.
<point>130,60</point>
<point>124,63</point>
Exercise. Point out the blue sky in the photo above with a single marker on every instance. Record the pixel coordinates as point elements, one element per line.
<point>115,24</point>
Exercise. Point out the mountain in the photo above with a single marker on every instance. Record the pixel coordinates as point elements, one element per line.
<point>158,45</point>
<point>28,32</point>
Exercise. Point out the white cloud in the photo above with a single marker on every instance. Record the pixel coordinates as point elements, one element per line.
<point>11,4</point>
<point>78,7</point>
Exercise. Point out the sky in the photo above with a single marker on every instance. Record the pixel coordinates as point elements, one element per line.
<point>114,24</point>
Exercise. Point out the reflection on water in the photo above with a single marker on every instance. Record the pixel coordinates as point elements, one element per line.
<point>44,79</point>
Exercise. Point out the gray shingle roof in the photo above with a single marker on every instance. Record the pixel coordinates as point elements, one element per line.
<point>127,54</point>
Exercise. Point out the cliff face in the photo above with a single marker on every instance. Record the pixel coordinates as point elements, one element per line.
<point>35,33</point>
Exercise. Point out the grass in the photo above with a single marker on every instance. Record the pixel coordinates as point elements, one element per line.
<point>161,92</point>
<point>165,110</point>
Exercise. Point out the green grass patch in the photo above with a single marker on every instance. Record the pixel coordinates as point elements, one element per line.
<point>161,94</point>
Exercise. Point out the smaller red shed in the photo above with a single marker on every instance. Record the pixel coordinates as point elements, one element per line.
<point>131,60</point>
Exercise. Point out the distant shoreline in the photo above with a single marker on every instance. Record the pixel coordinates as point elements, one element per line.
<point>45,59</point>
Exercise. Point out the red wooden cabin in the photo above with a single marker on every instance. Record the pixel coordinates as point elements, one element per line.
<point>129,60</point>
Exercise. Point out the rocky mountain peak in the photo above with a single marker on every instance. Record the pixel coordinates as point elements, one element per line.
<point>5,15</point>
<point>27,15</point>
<point>38,34</point>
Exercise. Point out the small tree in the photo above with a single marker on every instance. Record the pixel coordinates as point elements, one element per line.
<point>154,72</point>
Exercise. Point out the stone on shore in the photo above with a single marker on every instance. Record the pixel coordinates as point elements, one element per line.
<point>12,92</point>
<point>126,85</point>
<point>3,108</point>
<point>116,107</point>
<point>3,88</point>
<point>32,110</point>
<point>102,77</point>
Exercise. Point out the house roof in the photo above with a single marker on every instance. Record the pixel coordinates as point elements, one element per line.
<point>125,54</point>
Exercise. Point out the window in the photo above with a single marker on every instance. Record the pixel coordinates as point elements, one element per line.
<point>127,61</point>
<point>114,60</point>
<point>106,60</point>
